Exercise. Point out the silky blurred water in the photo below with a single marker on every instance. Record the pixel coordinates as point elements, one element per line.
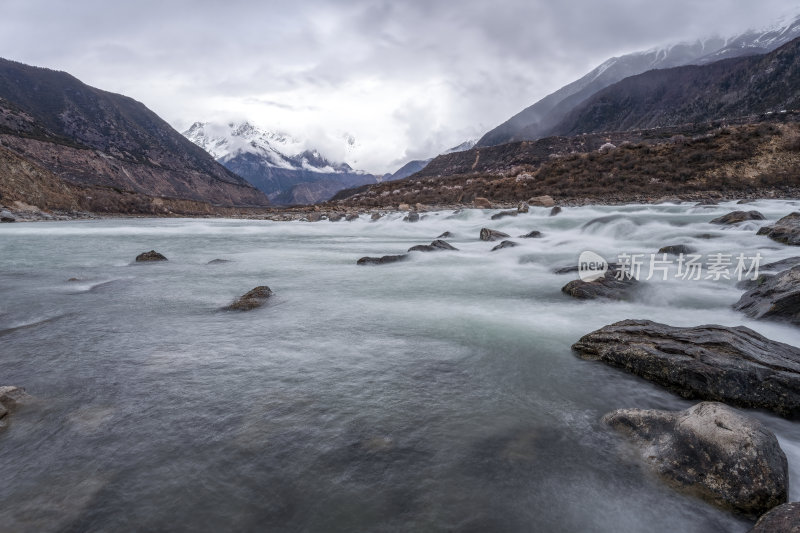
<point>436,394</point>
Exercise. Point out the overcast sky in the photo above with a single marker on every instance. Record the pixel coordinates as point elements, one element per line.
<point>406,79</point>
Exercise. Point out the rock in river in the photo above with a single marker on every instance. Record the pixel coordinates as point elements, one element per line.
<point>555,211</point>
<point>610,286</point>
<point>710,450</point>
<point>10,398</point>
<point>382,260</point>
<point>531,235</point>
<point>736,217</point>
<point>677,249</point>
<point>152,255</point>
<point>542,201</point>
<point>503,214</point>
<point>732,365</point>
<point>492,235</point>
<point>785,230</point>
<point>435,246</point>
<point>413,216</point>
<point>505,244</point>
<point>776,297</point>
<point>781,519</point>
<point>251,300</point>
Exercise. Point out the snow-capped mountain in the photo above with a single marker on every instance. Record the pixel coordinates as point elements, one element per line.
<point>278,164</point>
<point>538,120</point>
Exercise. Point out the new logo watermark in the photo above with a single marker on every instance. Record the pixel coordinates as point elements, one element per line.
<point>591,266</point>
<point>693,267</point>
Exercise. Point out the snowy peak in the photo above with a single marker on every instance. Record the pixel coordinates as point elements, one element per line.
<point>274,149</point>
<point>463,147</point>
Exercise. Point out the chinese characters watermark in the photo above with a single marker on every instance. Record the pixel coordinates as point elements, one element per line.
<point>690,267</point>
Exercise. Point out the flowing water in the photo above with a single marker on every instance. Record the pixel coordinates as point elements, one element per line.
<point>436,394</point>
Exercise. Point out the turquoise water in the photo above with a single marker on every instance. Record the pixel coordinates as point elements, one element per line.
<point>436,394</point>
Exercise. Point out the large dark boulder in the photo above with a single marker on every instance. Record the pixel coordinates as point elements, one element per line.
<point>150,256</point>
<point>492,235</point>
<point>781,519</point>
<point>612,286</point>
<point>736,217</point>
<point>436,246</point>
<point>382,260</point>
<point>775,297</point>
<point>785,230</point>
<point>251,300</point>
<point>712,451</point>
<point>734,365</point>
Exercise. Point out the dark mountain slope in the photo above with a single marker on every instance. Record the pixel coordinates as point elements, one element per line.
<point>91,137</point>
<point>723,90</point>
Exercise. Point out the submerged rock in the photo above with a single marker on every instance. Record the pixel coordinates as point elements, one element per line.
<point>505,244</point>
<point>778,266</point>
<point>712,451</point>
<point>219,261</point>
<point>677,249</point>
<point>732,365</point>
<point>375,216</point>
<point>413,216</point>
<point>10,399</point>
<point>445,235</point>
<point>556,210</point>
<point>736,217</point>
<point>152,255</point>
<point>503,214</point>
<point>776,297</point>
<point>785,230</point>
<point>542,201</point>
<point>381,260</point>
<point>251,300</point>
<point>781,519</point>
<point>351,217</point>
<point>492,235</point>
<point>532,235</point>
<point>435,246</point>
<point>608,286</point>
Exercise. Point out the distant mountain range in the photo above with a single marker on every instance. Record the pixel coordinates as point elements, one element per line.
<point>91,138</point>
<point>540,119</point>
<point>282,167</point>
<point>275,163</point>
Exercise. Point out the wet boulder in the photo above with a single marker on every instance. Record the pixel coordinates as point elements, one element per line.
<point>351,217</point>
<point>314,216</point>
<point>532,235</point>
<point>778,266</point>
<point>523,207</point>
<point>492,235</point>
<point>555,211</point>
<point>505,244</point>
<point>785,230</point>
<point>436,246</point>
<point>736,217</point>
<point>712,451</point>
<point>677,249</point>
<point>445,235</point>
<point>386,259</point>
<point>335,217</point>
<point>503,214</point>
<point>482,203</point>
<point>150,256</point>
<point>7,216</point>
<point>375,216</point>
<point>776,297</point>
<point>413,216</point>
<point>542,201</point>
<point>734,365</point>
<point>781,519</point>
<point>613,285</point>
<point>252,299</point>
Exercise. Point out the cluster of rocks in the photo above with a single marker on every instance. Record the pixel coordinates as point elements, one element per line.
<point>712,450</point>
